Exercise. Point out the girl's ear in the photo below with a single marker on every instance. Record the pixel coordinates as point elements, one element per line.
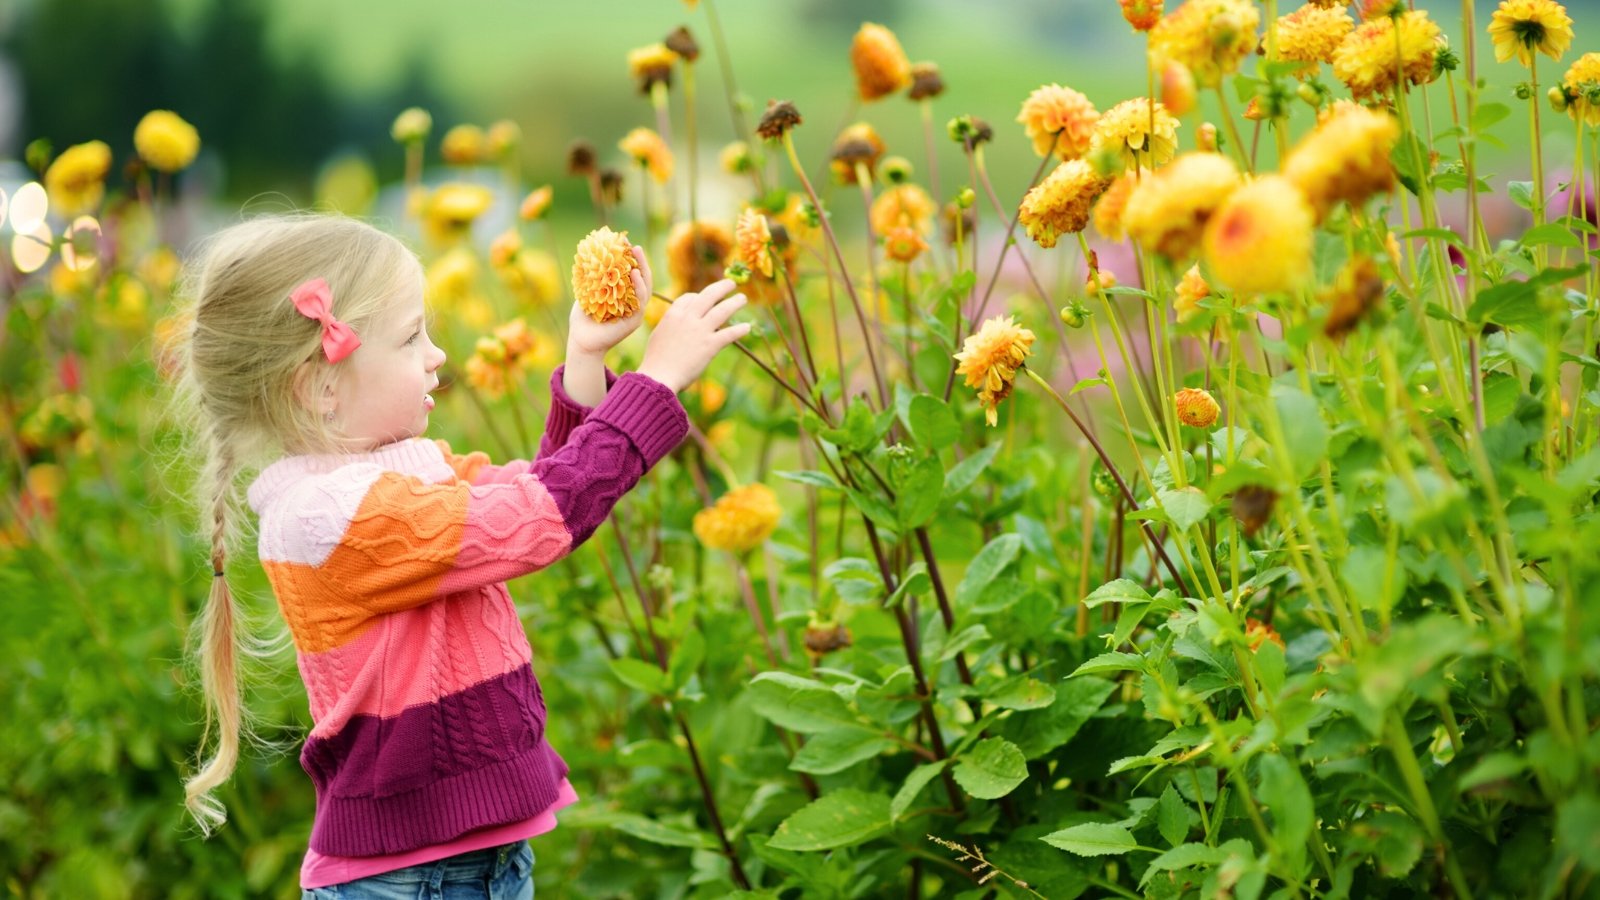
<point>318,402</point>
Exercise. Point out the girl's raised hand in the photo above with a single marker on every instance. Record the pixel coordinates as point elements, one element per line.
<point>587,337</point>
<point>690,333</point>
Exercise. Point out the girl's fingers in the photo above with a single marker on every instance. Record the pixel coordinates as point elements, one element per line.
<point>733,333</point>
<point>712,293</point>
<point>722,312</point>
<point>641,288</point>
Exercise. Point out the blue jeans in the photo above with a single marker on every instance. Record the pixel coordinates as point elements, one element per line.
<point>493,873</point>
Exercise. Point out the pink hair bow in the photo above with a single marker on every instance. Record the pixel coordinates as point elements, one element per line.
<point>314,300</point>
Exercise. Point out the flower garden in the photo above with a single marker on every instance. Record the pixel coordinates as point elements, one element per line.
<point>1215,518</point>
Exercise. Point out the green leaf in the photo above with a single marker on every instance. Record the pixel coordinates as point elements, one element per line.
<point>1186,856</point>
<point>1085,384</point>
<point>640,675</point>
<point>1172,816</point>
<point>1489,113</point>
<point>964,473</point>
<point>873,507</point>
<point>1285,793</point>
<point>1408,157</point>
<point>986,566</point>
<point>1550,233</point>
<point>686,658</point>
<point>855,579</point>
<point>961,640</point>
<point>1037,732</point>
<point>1494,767</point>
<point>932,423</point>
<point>1305,434</point>
<point>655,832</point>
<point>917,495</point>
<point>915,782</point>
<point>1122,590</point>
<point>1521,193</point>
<point>991,769</point>
<point>1578,830</point>
<point>1093,839</point>
<point>843,818</point>
<point>1185,508</point>
<point>1021,692</point>
<point>835,751</point>
<point>1514,304</point>
<point>814,479</point>
<point>915,584</point>
<point>799,704</point>
<point>1115,661</point>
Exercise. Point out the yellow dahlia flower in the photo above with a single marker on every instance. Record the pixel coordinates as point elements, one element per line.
<point>536,204</point>
<point>1112,204</point>
<point>1345,158</point>
<point>411,126</point>
<point>1260,240</point>
<point>1060,204</point>
<point>650,65</point>
<point>646,148</point>
<point>751,238</point>
<point>76,180</point>
<point>1141,134</point>
<point>881,66</point>
<point>601,275</point>
<point>1058,119</point>
<point>740,520</point>
<point>989,359</point>
<point>464,145</point>
<point>696,255</point>
<point>1211,37</point>
<point>1178,93</point>
<point>1581,78</point>
<point>1365,59</point>
<point>450,209</point>
<point>1522,28</point>
<point>1196,407</point>
<point>902,243</point>
<point>1310,34</point>
<point>903,204</point>
<point>1167,211</point>
<point>1192,288</point>
<point>165,141</point>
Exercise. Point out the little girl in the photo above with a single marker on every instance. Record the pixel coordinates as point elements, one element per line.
<point>388,553</point>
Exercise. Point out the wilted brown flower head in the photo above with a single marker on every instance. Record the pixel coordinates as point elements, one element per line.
<point>1353,294</point>
<point>652,65</point>
<point>1252,506</point>
<point>681,42</point>
<point>857,144</point>
<point>580,158</point>
<point>777,120</point>
<point>611,185</point>
<point>926,82</point>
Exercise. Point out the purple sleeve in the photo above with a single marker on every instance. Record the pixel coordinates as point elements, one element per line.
<point>565,412</point>
<point>638,423</point>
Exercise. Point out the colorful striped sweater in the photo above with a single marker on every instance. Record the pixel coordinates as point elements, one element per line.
<point>389,569</point>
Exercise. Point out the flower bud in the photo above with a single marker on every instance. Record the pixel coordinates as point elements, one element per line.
<point>1196,407</point>
<point>1558,99</point>
<point>966,198</point>
<point>1075,314</point>
<point>1206,137</point>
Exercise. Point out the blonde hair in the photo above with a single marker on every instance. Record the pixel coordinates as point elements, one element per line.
<point>251,364</point>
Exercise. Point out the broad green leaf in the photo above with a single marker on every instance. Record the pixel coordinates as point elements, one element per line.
<point>964,473</point>
<point>1115,661</point>
<point>814,479</point>
<point>1093,839</point>
<point>835,751</point>
<point>1185,508</point>
<point>1521,193</point>
<point>917,495</point>
<point>915,584</point>
<point>915,782</point>
<point>1021,692</point>
<point>1489,113</point>
<point>986,566</point>
<point>1494,767</point>
<point>640,675</point>
<point>1284,792</point>
<point>799,704</point>
<point>1552,234</point>
<point>656,832</point>
<point>1172,816</point>
<point>932,423</point>
<point>1039,731</point>
<point>1304,432</point>
<point>991,769</point>
<point>1186,856</point>
<point>686,658</point>
<point>1121,590</point>
<point>842,818</point>
<point>1578,830</point>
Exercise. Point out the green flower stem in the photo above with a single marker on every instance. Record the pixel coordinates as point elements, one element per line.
<point>844,270</point>
<point>926,109</point>
<point>1233,130</point>
<point>874,300</point>
<point>1394,734</point>
<point>1161,362</point>
<point>800,322</point>
<point>730,88</point>
<point>1111,467</point>
<point>663,110</point>
<point>1466,143</point>
<point>1005,247</point>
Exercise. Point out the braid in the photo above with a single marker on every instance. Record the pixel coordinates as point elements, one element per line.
<point>219,644</point>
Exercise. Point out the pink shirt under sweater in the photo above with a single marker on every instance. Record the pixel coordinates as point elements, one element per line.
<point>320,871</point>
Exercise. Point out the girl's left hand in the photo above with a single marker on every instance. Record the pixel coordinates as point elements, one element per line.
<point>586,336</point>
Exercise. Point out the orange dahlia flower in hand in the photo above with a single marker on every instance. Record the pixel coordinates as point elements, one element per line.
<point>609,277</point>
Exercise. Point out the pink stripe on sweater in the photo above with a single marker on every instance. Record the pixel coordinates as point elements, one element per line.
<point>387,669</point>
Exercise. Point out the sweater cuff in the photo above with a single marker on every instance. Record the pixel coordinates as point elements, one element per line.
<point>648,412</point>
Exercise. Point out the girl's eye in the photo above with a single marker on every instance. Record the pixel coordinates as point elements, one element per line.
<point>413,338</point>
